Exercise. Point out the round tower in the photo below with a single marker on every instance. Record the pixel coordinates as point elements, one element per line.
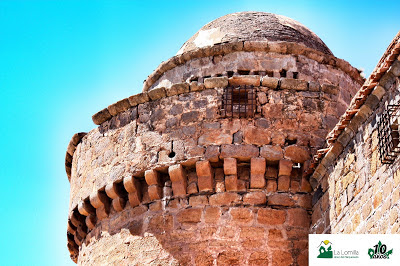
<point>207,166</point>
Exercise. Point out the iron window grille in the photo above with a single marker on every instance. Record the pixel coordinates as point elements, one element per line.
<point>388,134</point>
<point>238,102</point>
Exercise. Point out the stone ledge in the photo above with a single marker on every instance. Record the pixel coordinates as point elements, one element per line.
<point>209,83</point>
<point>252,46</point>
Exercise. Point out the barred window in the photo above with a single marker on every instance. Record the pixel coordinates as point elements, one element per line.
<point>388,134</point>
<point>238,102</point>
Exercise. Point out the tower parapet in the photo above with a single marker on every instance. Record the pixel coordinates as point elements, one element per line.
<point>208,164</point>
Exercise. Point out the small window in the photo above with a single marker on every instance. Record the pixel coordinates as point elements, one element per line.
<point>238,102</point>
<point>388,134</point>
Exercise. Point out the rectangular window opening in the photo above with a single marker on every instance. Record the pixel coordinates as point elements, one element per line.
<point>388,134</point>
<point>238,102</point>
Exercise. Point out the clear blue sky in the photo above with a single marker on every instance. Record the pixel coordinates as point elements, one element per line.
<point>62,61</point>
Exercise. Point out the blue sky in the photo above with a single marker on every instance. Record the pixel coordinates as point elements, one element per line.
<point>62,61</point>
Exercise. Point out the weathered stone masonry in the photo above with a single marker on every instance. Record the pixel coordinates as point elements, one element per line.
<point>167,178</point>
<point>355,192</point>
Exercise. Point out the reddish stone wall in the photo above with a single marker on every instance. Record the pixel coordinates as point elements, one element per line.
<point>146,183</point>
<point>227,228</point>
<point>356,193</point>
<point>190,125</point>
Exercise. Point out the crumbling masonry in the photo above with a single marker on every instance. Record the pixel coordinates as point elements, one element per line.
<point>223,158</point>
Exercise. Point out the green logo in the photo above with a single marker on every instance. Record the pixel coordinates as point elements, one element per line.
<point>325,250</point>
<point>379,251</point>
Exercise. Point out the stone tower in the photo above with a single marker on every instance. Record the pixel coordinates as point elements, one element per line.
<point>209,164</point>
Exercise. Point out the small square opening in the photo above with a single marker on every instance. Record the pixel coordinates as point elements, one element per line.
<point>238,102</point>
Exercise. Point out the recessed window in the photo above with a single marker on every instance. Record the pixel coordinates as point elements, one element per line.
<point>388,134</point>
<point>238,102</point>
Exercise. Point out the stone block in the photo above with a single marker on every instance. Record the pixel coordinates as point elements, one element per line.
<point>241,215</point>
<point>131,184</point>
<point>253,80</point>
<point>205,183</point>
<point>272,153</point>
<point>76,138</point>
<point>192,188</point>
<point>177,88</point>
<point>225,199</point>
<point>157,93</point>
<point>212,214</point>
<point>256,46</point>
<point>189,215</point>
<point>230,166</point>
<point>200,200</point>
<point>285,167</point>
<point>179,188</point>
<point>91,221</point>
<point>257,171</point>
<point>203,168</point>
<point>305,185</point>
<point>85,208</point>
<point>372,101</point>
<point>314,86</point>
<point>101,117</point>
<point>283,183</point>
<point>240,152</point>
<point>152,177</point>
<point>270,216</point>
<point>280,257</point>
<point>270,82</point>
<point>216,82</point>
<point>155,192</point>
<point>118,204</point>
<point>298,217</point>
<point>177,173</point>
<point>272,185</point>
<point>188,117</point>
<point>219,186</point>
<point>119,107</point>
<point>379,92</point>
<point>137,99</point>
<point>134,198</point>
<point>196,86</point>
<point>256,136</point>
<point>231,183</point>
<point>297,154</point>
<point>255,198</point>
<point>271,172</point>
<point>212,153</point>
<point>281,199</point>
<point>294,84</point>
<point>330,89</point>
<point>215,137</point>
<point>98,199</point>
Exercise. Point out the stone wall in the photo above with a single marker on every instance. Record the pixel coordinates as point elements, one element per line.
<point>227,228</point>
<point>168,178</point>
<point>356,193</point>
<point>189,127</point>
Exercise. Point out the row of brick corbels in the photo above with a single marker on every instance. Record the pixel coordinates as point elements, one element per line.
<point>98,205</point>
<point>115,194</point>
<point>75,140</point>
<point>252,46</point>
<point>211,83</point>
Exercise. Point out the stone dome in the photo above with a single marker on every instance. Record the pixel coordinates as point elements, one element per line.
<point>254,26</point>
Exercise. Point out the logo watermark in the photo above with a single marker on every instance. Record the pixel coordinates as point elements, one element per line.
<point>379,251</point>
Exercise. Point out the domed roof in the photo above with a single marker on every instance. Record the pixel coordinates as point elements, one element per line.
<point>254,26</point>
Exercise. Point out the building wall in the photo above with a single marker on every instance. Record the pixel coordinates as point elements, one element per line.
<point>153,173</point>
<point>359,194</point>
<point>228,228</point>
